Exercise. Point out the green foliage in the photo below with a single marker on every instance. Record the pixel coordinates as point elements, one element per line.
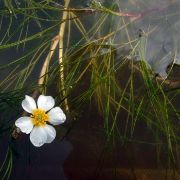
<point>93,74</point>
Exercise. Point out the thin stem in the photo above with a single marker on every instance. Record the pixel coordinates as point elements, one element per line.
<point>45,66</point>
<point>61,35</point>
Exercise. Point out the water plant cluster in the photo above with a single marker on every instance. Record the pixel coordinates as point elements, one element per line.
<point>53,48</point>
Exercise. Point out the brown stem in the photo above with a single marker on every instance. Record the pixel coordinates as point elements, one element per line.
<point>61,35</point>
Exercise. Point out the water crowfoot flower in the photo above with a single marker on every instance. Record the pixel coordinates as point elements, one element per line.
<point>42,114</point>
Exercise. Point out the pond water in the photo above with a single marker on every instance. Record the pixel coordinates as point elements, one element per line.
<point>156,20</point>
<point>158,25</point>
<point>153,27</point>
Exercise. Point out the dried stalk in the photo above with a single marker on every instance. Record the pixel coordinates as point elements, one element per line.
<point>61,35</point>
<point>56,40</point>
<point>45,66</point>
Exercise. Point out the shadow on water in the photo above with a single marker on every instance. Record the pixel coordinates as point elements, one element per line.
<point>32,163</point>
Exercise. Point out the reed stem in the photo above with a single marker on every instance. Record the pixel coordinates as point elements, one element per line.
<point>61,36</point>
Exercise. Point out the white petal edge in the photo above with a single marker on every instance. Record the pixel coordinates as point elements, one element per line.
<point>51,133</point>
<point>29,104</point>
<point>56,116</point>
<point>24,124</point>
<point>45,102</point>
<point>38,136</point>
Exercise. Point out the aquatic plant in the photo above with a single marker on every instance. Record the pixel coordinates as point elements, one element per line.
<point>99,67</point>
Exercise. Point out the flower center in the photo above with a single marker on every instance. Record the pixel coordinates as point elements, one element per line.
<point>39,117</point>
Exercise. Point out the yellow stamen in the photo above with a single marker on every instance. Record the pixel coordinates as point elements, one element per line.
<point>39,117</point>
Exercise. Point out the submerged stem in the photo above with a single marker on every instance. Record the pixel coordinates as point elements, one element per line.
<point>61,36</point>
<point>45,66</point>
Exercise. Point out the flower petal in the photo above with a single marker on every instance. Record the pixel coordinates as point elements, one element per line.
<point>29,104</point>
<point>51,133</point>
<point>24,124</point>
<point>45,102</point>
<point>56,116</point>
<point>38,136</point>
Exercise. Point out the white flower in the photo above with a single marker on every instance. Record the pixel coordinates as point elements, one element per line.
<point>41,115</point>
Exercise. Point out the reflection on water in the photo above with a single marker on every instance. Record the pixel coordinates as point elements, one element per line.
<point>161,39</point>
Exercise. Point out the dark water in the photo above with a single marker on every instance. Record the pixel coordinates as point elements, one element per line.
<point>84,153</point>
